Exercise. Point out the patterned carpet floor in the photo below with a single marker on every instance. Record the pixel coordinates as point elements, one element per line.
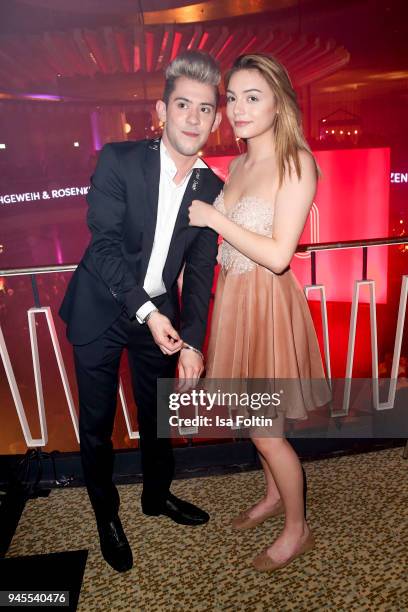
<point>357,508</point>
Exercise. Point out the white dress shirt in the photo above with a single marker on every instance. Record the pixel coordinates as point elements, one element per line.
<point>170,197</point>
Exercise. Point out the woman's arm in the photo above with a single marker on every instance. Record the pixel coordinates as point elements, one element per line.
<point>293,203</point>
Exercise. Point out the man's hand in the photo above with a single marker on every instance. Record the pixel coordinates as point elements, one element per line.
<point>164,334</point>
<point>190,368</point>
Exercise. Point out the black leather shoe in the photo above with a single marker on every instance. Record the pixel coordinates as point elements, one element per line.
<point>114,545</point>
<point>180,512</point>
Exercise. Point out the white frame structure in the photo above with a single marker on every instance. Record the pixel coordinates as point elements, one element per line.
<point>133,434</point>
<point>325,325</point>
<point>389,403</point>
<point>21,413</point>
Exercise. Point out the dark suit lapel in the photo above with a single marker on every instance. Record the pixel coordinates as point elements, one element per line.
<point>151,171</point>
<point>178,239</point>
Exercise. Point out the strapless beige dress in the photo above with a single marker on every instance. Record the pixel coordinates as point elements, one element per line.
<point>261,325</point>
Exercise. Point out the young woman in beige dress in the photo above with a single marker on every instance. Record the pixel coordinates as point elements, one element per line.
<point>261,326</point>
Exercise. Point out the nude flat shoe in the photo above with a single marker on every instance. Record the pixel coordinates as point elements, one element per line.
<point>265,563</point>
<point>244,521</point>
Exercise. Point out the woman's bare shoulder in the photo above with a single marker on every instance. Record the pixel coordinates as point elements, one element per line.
<point>232,166</point>
<point>308,167</point>
<point>235,162</point>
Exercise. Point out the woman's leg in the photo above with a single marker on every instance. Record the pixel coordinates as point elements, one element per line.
<point>287,473</point>
<point>271,503</point>
<point>272,495</point>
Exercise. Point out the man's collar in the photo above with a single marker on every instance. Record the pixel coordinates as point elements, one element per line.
<point>199,163</point>
<point>168,165</point>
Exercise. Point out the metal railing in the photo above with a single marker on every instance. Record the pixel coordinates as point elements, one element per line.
<point>313,249</point>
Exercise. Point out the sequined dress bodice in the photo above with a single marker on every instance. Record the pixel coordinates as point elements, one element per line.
<point>252,213</point>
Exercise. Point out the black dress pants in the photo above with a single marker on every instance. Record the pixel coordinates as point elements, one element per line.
<point>97,369</point>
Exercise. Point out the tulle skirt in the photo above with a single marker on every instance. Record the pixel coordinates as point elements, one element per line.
<point>262,329</point>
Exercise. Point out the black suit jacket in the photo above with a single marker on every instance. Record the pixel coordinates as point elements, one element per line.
<point>122,214</point>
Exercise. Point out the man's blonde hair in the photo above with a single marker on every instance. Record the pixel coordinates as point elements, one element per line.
<point>195,65</point>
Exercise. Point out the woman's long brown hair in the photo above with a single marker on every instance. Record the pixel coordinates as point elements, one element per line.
<point>288,132</point>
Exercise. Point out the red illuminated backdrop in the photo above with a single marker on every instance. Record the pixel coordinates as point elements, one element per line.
<point>84,76</point>
<point>351,203</point>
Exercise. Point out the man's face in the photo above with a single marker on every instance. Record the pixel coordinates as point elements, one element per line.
<point>190,116</point>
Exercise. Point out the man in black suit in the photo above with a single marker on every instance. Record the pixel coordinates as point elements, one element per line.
<point>124,292</point>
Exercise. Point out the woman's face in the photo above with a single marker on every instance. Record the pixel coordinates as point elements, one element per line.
<point>251,104</point>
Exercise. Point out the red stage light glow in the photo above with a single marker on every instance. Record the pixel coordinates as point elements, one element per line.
<point>351,203</point>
